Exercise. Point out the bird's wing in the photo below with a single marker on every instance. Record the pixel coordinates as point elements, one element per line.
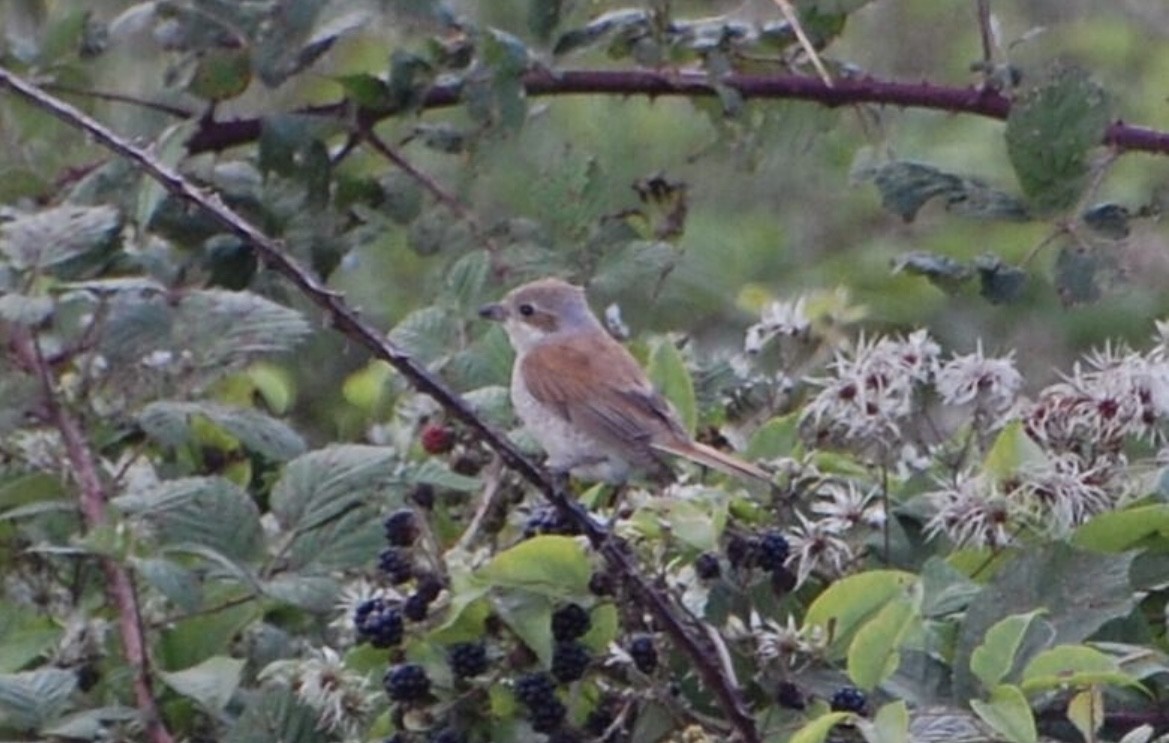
<point>592,381</point>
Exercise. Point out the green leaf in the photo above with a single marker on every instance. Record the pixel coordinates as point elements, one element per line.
<point>1080,591</point>
<point>1050,133</point>
<point>1008,713</point>
<point>315,593</point>
<point>817,730</point>
<point>1074,666</point>
<point>553,566</point>
<point>907,186</point>
<point>1108,220</point>
<point>172,580</point>
<point>211,683</point>
<point>90,724</point>
<point>998,282</point>
<point>24,636</point>
<point>891,724</point>
<point>21,309</point>
<point>670,376</point>
<point>942,271</point>
<point>1086,712</point>
<point>51,237</point>
<point>543,17</point>
<point>529,616</point>
<point>1083,271</point>
<point>993,659</point>
<point>170,423</point>
<point>849,603</point>
<point>600,27</point>
<point>274,714</point>
<point>366,90</point>
<point>776,438</point>
<point>875,651</point>
<point>207,511</point>
<point>195,639</point>
<point>428,334</point>
<point>221,74</point>
<point>33,699</point>
<point>1012,451</point>
<point>1118,531</point>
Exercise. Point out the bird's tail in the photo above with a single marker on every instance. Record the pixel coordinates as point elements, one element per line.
<point>710,457</point>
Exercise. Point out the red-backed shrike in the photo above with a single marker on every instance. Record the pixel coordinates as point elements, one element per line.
<point>585,398</point>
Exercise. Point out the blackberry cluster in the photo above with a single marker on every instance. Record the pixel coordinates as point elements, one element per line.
<point>570,622</point>
<point>570,660</point>
<point>848,699</point>
<point>706,566</point>
<point>773,551</point>
<point>378,623</point>
<point>742,552</point>
<point>545,711</point>
<point>401,528</point>
<point>407,683</point>
<point>395,562</point>
<point>644,654</point>
<point>549,520</point>
<point>467,659</point>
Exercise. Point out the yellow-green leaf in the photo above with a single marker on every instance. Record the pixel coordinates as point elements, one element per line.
<point>1072,665</point>
<point>1008,713</point>
<point>993,659</point>
<point>850,602</point>
<point>817,730</point>
<point>549,565</point>
<point>1086,711</point>
<point>874,653</point>
<point>669,374</point>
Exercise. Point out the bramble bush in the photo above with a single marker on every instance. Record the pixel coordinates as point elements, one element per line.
<point>234,506</point>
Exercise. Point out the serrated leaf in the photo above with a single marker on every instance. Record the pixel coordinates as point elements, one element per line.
<point>172,580</point>
<point>907,186</point>
<point>32,699</point>
<point>273,713</point>
<point>528,615</point>
<point>1081,271</point>
<point>315,593</point>
<point>998,282</point>
<point>211,683</point>
<point>849,603</point>
<point>600,27</point>
<point>1008,713</point>
<point>552,566</point>
<point>438,474</point>
<point>170,423</point>
<point>667,370</point>
<point>993,659</point>
<point>466,279</point>
<point>53,236</point>
<point>207,511</point>
<point>1050,132</point>
<point>427,334</point>
<point>942,271</point>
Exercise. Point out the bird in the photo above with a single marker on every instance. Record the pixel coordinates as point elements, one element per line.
<point>584,397</point>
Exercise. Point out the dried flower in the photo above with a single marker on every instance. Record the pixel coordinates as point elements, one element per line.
<point>990,383</point>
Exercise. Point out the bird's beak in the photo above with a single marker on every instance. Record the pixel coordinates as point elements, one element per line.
<point>493,311</point>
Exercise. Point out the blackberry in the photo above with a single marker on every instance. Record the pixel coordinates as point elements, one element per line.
<point>570,622</point>
<point>423,496</point>
<point>570,660</point>
<point>535,689</point>
<point>429,586</point>
<point>447,735</point>
<point>599,720</point>
<point>395,562</point>
<point>407,683</point>
<point>547,717</point>
<point>773,551</point>
<point>706,566</point>
<point>549,520</point>
<point>644,654</point>
<point>401,528</point>
<point>848,699</point>
<point>416,607</point>
<point>467,659</point>
<point>783,581</point>
<point>789,695</point>
<point>601,584</point>
<point>378,623</point>
<point>742,552</point>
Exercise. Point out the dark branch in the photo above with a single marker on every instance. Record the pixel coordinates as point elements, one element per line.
<point>221,135</point>
<point>675,620</point>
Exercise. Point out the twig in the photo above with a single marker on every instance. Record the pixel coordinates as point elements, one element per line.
<point>675,620</point>
<point>119,586</point>
<point>978,101</point>
<point>103,95</point>
<point>986,34</point>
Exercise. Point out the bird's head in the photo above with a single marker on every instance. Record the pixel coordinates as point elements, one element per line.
<point>541,309</point>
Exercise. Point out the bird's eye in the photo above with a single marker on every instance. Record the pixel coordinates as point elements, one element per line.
<point>526,310</point>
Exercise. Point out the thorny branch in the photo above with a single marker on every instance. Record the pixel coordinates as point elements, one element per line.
<point>119,585</point>
<point>678,623</point>
<point>979,101</point>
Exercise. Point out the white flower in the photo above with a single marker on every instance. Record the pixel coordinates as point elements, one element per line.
<point>992,383</point>
<point>973,511</point>
<point>1068,491</point>
<point>342,699</point>
<point>848,506</point>
<point>777,318</point>
<point>817,545</point>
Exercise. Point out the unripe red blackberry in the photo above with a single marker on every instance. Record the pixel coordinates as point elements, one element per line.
<point>437,438</point>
